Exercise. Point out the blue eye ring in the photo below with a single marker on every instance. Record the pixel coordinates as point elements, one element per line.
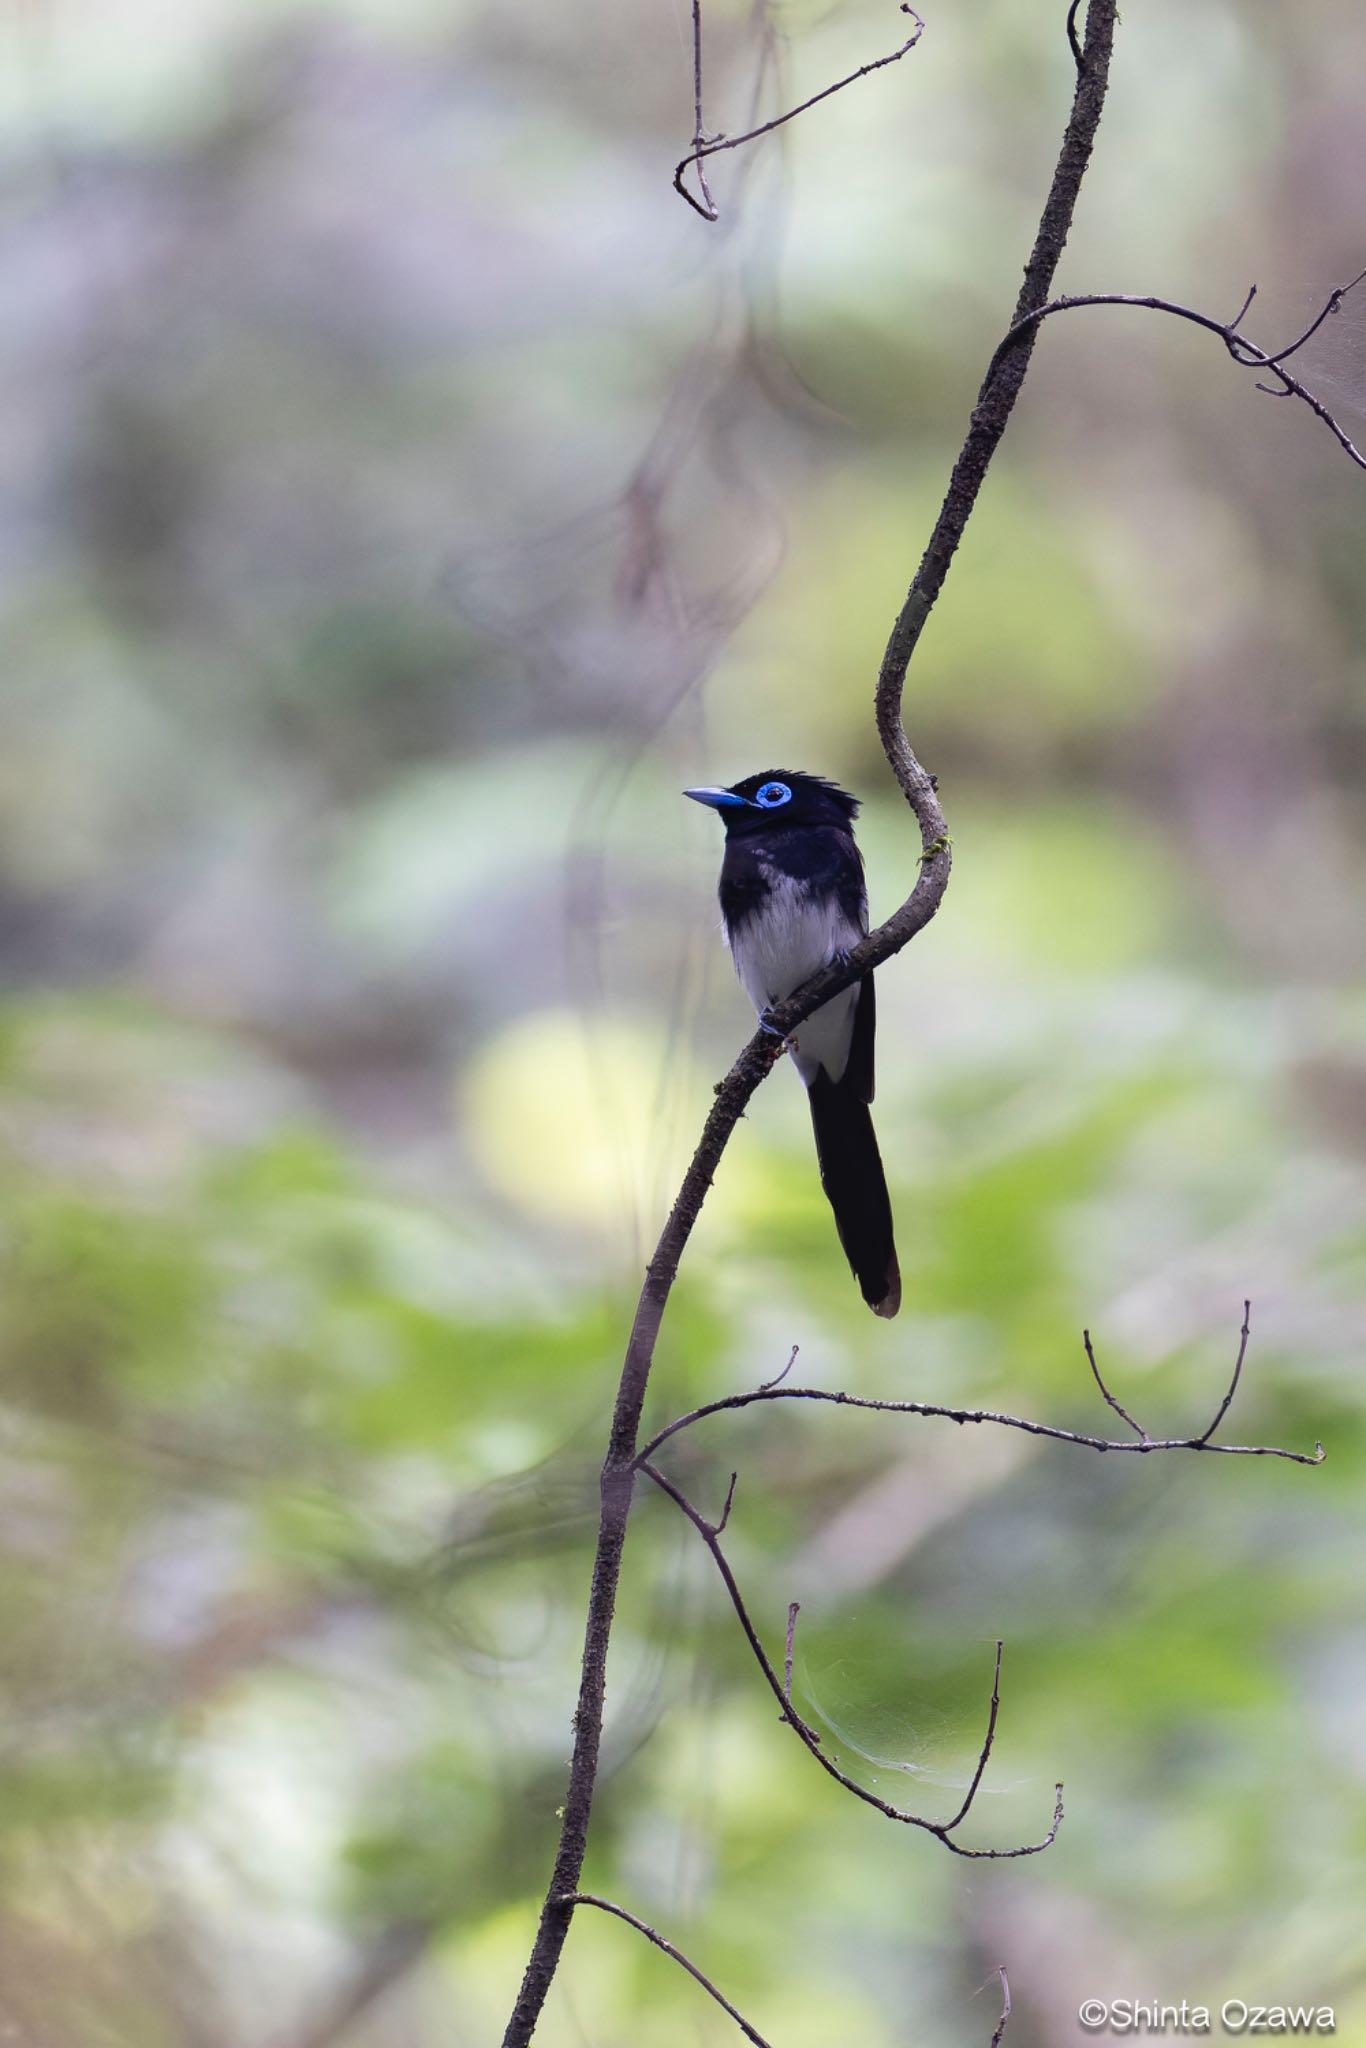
<point>772,795</point>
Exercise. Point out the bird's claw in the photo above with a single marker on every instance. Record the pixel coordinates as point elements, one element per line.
<point>775,1031</point>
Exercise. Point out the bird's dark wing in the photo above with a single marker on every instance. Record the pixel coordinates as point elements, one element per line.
<point>744,882</point>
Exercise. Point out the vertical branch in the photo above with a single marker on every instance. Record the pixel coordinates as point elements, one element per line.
<point>618,1475</point>
<point>699,133</point>
<point>1001,386</point>
<point>1004,2020</point>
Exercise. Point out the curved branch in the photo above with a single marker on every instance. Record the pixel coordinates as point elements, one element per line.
<point>995,400</point>
<point>774,1390</point>
<point>750,2033</point>
<point>652,1934</point>
<point>1333,302</point>
<point>1243,351</point>
<point>699,134</point>
<point>988,423</point>
<point>984,1754</point>
<point>942,1830</point>
<point>705,146</point>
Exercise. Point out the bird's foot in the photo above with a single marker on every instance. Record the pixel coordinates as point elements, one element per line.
<point>775,1031</point>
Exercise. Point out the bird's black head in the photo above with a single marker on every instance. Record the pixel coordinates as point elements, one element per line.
<point>777,799</point>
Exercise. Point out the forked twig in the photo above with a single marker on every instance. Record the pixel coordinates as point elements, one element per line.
<point>711,1532</point>
<point>699,133</point>
<point>942,1830</point>
<point>1331,306</point>
<point>836,1397</point>
<point>1241,348</point>
<point>705,145</point>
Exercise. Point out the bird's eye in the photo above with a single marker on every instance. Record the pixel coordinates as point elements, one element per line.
<point>772,794</point>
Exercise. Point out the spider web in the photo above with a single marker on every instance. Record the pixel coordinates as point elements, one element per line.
<point>1332,364</point>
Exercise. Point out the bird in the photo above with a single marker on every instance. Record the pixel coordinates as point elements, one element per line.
<point>792,900</point>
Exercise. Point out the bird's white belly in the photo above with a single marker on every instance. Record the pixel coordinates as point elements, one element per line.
<point>783,946</point>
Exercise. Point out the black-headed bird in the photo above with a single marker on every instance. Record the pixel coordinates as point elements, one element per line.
<point>792,900</point>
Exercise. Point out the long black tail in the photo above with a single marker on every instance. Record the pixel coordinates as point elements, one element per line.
<point>852,1176</point>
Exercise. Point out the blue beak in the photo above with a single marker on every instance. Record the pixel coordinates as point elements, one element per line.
<point>719,799</point>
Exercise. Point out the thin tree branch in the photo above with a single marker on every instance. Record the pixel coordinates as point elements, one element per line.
<point>1136,1427</point>
<point>1004,2020</point>
<point>990,417</point>
<point>794,1608</point>
<point>988,423</point>
<point>699,133</point>
<point>751,2033</point>
<point>941,1830</point>
<point>1334,301</point>
<point>992,1712</point>
<point>836,1397</point>
<point>1227,1401</point>
<point>705,145</point>
<point>652,1934</point>
<point>778,1378</point>
<point>1241,349</point>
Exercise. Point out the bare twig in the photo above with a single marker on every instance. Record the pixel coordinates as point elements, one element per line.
<point>1136,1427</point>
<point>941,1830</point>
<point>705,145</point>
<point>992,1712</point>
<point>1079,60</point>
<point>1004,2020</point>
<point>699,133</point>
<point>1227,1401</point>
<point>778,1379</point>
<point>793,1610</point>
<point>1331,306</point>
<point>837,1398</point>
<point>751,2033</point>
<point>652,1934</point>
<point>1241,349</point>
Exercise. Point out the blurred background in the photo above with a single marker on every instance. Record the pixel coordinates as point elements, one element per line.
<point>406,496</point>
